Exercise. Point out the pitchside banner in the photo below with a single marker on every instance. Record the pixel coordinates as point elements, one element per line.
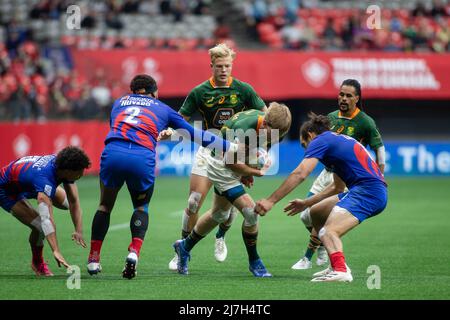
<point>280,75</point>
<point>18,140</point>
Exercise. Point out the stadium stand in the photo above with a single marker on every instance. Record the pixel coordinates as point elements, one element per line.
<point>340,25</point>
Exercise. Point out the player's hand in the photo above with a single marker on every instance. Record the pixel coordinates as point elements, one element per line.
<point>247,181</point>
<point>266,167</point>
<point>263,206</point>
<point>165,134</point>
<point>60,259</point>
<point>295,206</point>
<point>78,238</point>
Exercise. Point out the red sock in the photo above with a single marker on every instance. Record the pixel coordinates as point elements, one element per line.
<point>37,254</point>
<point>338,262</point>
<point>135,245</point>
<point>96,247</point>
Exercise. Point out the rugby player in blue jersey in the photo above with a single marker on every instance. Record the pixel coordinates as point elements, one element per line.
<point>333,212</point>
<point>129,156</point>
<point>38,177</point>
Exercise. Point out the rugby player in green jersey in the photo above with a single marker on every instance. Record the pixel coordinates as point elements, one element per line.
<point>217,100</point>
<point>350,120</point>
<point>256,130</point>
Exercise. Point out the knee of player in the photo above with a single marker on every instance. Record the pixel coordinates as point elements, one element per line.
<point>322,234</point>
<point>194,202</point>
<point>325,233</point>
<point>65,204</point>
<point>46,223</point>
<point>37,223</point>
<point>250,216</point>
<point>305,216</point>
<point>221,216</point>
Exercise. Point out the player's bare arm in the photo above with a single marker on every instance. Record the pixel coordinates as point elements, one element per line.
<point>45,211</point>
<point>245,170</point>
<point>75,212</point>
<point>296,177</point>
<point>380,154</point>
<point>298,205</point>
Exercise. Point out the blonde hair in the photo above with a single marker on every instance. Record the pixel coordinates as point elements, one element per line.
<point>222,50</point>
<point>278,116</point>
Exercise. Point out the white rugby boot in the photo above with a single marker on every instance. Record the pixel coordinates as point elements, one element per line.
<point>173,264</point>
<point>220,250</point>
<point>302,264</point>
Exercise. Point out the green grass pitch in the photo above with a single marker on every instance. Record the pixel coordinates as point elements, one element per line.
<point>409,242</point>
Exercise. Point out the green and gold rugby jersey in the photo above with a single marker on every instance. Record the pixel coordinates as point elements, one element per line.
<point>359,126</point>
<point>245,120</point>
<point>218,104</point>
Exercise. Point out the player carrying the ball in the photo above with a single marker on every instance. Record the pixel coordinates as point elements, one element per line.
<point>217,100</point>
<point>225,174</point>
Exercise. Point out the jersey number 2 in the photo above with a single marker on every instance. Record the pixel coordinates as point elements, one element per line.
<point>132,112</point>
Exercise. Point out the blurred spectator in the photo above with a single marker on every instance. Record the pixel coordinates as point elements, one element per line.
<point>150,7</point>
<point>112,21</point>
<point>201,8</point>
<point>86,107</point>
<point>100,91</point>
<point>291,36</point>
<point>164,7</point>
<point>291,7</point>
<point>178,10</point>
<point>130,6</point>
<point>329,33</point>
<point>420,10</point>
<point>439,9</point>
<point>89,21</point>
<point>16,34</point>
<point>222,30</point>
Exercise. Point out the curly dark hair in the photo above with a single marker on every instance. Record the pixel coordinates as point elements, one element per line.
<point>143,81</point>
<point>72,158</point>
<point>316,124</point>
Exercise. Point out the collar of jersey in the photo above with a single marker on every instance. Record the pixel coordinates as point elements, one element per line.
<point>259,123</point>
<point>355,113</point>
<point>213,83</point>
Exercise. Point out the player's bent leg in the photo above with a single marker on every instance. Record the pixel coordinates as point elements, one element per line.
<point>246,206</point>
<point>220,247</point>
<point>199,188</point>
<point>339,222</point>
<point>60,200</point>
<point>25,213</point>
<point>219,212</point>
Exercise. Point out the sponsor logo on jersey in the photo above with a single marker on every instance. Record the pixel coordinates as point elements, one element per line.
<point>350,131</point>
<point>222,99</point>
<point>48,190</point>
<point>340,129</point>
<point>210,102</point>
<point>222,115</point>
